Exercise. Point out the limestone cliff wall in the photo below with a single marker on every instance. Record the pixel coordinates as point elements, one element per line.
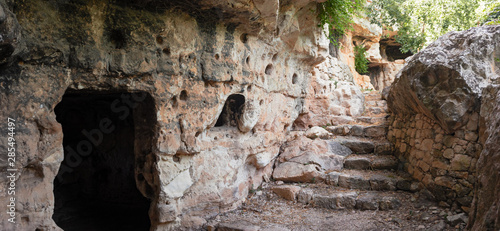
<point>189,58</point>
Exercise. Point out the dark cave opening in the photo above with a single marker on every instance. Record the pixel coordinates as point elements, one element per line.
<point>233,108</point>
<point>394,53</point>
<point>96,186</point>
<point>390,50</point>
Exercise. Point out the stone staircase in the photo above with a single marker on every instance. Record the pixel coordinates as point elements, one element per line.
<point>369,178</point>
<point>342,177</point>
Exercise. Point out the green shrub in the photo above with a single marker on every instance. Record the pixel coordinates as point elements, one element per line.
<point>360,60</point>
<point>339,14</point>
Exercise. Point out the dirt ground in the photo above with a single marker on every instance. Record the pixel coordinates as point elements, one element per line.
<point>264,210</point>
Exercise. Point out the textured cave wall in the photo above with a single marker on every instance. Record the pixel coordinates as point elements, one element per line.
<point>189,58</point>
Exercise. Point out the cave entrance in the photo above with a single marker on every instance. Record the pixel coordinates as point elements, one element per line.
<point>233,108</point>
<point>106,136</point>
<point>390,50</point>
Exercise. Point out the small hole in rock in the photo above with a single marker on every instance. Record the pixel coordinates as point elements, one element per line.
<point>269,69</point>
<point>244,38</point>
<point>217,57</point>
<point>198,133</point>
<point>275,57</point>
<point>118,38</point>
<point>249,88</point>
<point>261,102</point>
<point>176,159</point>
<point>159,39</point>
<point>183,95</point>
<point>174,102</point>
<point>295,78</point>
<point>248,60</point>
<point>166,50</point>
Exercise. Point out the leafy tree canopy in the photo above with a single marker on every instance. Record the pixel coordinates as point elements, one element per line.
<point>493,15</point>
<point>419,22</point>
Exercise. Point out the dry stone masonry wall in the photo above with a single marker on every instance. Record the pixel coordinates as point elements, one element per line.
<point>444,162</point>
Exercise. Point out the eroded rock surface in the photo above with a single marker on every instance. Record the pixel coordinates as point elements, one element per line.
<point>224,81</point>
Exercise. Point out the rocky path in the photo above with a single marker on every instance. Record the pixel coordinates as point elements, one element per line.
<point>342,177</point>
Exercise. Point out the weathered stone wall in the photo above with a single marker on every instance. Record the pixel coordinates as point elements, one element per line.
<point>332,96</point>
<point>444,162</point>
<point>189,58</point>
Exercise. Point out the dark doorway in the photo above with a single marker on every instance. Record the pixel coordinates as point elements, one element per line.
<point>95,188</point>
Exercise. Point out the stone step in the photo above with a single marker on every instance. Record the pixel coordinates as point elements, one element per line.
<point>371,120</point>
<point>376,111</point>
<point>374,162</point>
<point>370,131</point>
<point>376,103</point>
<point>371,180</point>
<point>360,145</point>
<point>373,96</point>
<point>356,144</point>
<point>324,197</point>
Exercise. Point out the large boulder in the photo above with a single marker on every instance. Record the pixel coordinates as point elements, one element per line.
<point>445,80</point>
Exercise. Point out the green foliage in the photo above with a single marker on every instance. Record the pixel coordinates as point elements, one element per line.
<point>419,22</point>
<point>360,60</point>
<point>338,14</point>
<point>492,16</point>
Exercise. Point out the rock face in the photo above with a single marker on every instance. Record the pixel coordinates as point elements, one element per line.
<point>331,96</point>
<point>382,52</point>
<point>444,109</point>
<point>11,35</point>
<point>485,213</point>
<point>335,93</point>
<point>199,95</point>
